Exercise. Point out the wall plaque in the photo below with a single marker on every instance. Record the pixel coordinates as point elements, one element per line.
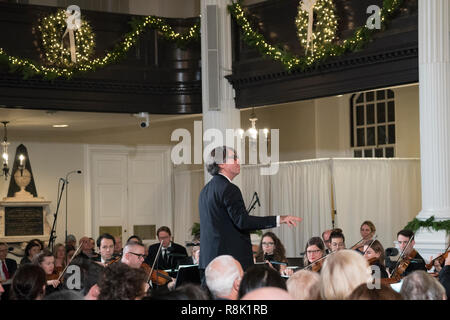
<point>23,221</point>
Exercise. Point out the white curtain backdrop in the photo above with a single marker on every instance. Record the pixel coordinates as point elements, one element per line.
<point>384,191</point>
<point>300,188</point>
<point>187,186</point>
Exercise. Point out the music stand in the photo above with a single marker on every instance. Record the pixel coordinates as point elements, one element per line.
<point>187,274</point>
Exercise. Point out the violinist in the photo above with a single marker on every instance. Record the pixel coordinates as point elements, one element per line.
<point>411,260</point>
<point>59,252</point>
<point>106,243</point>
<point>367,231</point>
<point>272,249</point>
<point>315,249</point>
<point>133,255</point>
<point>374,254</point>
<point>170,252</point>
<point>337,240</point>
<point>46,261</point>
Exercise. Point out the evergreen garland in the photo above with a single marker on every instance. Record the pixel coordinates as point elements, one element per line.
<point>416,224</point>
<point>289,60</point>
<point>29,68</point>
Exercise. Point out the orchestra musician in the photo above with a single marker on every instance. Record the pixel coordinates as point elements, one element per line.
<point>374,254</point>
<point>314,250</point>
<point>46,261</point>
<point>106,243</point>
<point>59,252</point>
<point>411,259</point>
<point>337,240</point>
<point>367,231</point>
<point>272,249</point>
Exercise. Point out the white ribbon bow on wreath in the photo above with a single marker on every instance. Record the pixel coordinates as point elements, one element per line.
<point>308,6</point>
<point>73,23</point>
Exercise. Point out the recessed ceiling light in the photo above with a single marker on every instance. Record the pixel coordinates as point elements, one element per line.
<point>60,125</point>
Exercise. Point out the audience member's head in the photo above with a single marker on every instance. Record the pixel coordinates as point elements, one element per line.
<point>121,282</point>
<point>187,291</point>
<point>304,285</point>
<point>419,285</point>
<point>28,283</point>
<point>267,293</point>
<point>32,249</point>
<point>385,292</point>
<point>64,294</point>
<point>223,276</point>
<point>258,276</point>
<point>341,273</point>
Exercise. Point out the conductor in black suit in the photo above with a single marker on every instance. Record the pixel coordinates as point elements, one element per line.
<point>225,224</point>
<point>170,253</point>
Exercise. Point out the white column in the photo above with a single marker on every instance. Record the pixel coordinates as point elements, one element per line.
<point>434,86</point>
<point>219,110</point>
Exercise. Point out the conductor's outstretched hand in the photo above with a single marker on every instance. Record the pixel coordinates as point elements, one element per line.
<point>290,220</point>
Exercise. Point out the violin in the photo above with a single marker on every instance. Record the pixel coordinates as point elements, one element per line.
<point>113,260</point>
<point>372,261</point>
<point>440,259</point>
<point>317,266</point>
<point>159,277</point>
<point>53,276</point>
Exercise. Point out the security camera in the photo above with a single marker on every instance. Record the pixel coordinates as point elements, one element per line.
<point>144,122</point>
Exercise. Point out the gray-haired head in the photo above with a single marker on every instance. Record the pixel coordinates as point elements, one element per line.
<point>419,285</point>
<point>220,275</point>
<point>216,157</point>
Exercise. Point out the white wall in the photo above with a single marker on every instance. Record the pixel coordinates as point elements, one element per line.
<point>49,162</point>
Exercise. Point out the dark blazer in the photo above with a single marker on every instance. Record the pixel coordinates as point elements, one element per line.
<point>444,279</point>
<point>225,224</point>
<point>178,252</point>
<point>11,264</point>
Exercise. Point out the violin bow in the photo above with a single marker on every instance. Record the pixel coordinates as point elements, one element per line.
<point>370,245</point>
<point>154,262</point>
<point>74,255</point>
<point>401,257</point>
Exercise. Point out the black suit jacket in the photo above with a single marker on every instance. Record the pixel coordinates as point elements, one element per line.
<point>11,264</point>
<point>179,252</point>
<point>225,224</point>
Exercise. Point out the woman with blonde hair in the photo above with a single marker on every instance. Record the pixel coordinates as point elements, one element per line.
<point>304,285</point>
<point>341,273</point>
<point>59,252</point>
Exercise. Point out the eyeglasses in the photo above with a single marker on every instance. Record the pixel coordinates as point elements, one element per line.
<point>138,255</point>
<point>313,251</point>
<point>267,243</point>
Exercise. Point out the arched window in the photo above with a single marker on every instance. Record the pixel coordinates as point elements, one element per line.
<point>372,116</point>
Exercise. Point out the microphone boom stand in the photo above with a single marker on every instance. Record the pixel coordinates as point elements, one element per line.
<point>52,238</point>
